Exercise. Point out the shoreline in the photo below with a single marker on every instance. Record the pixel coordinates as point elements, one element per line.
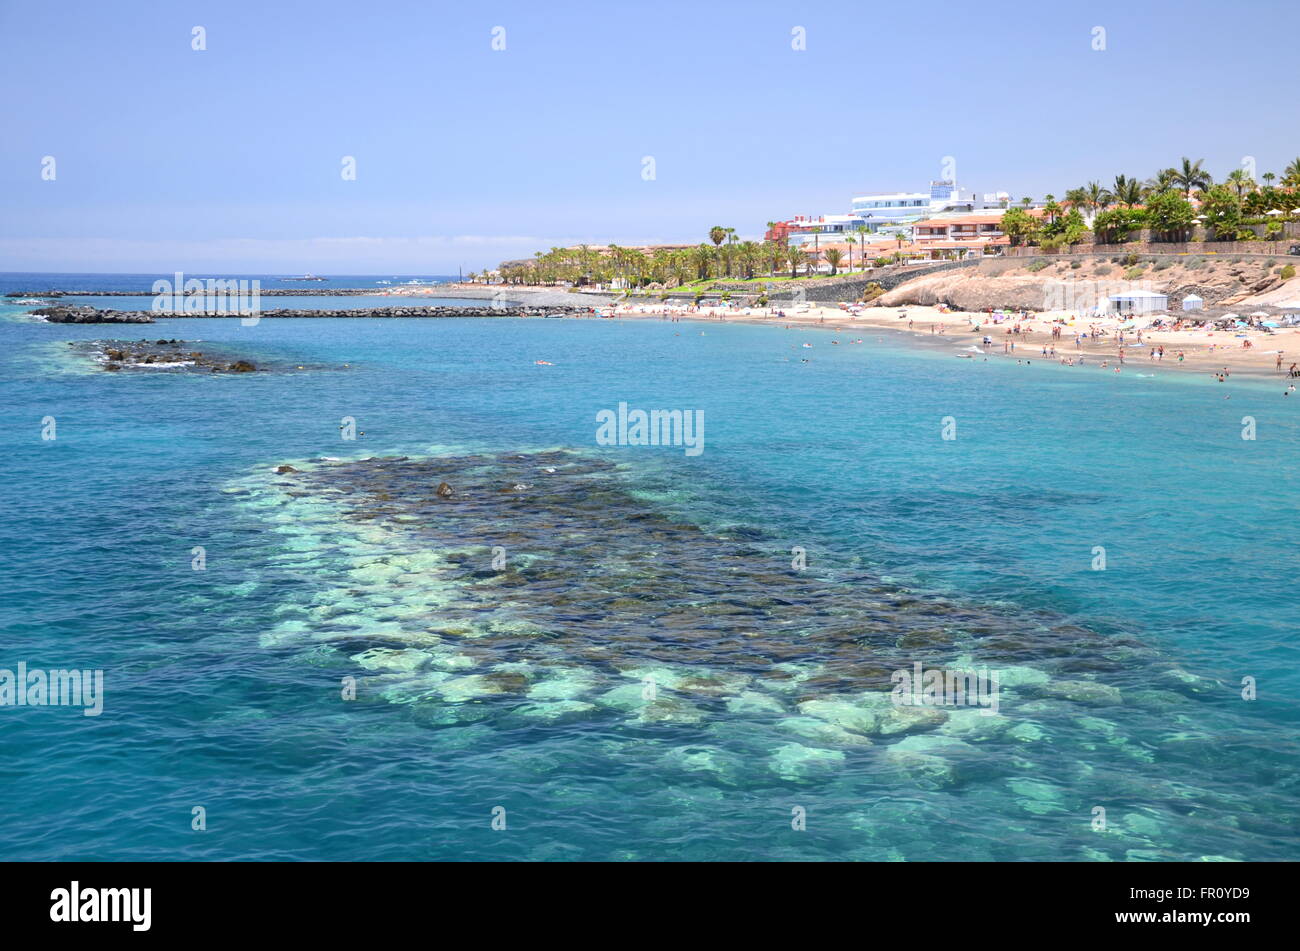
<point>927,327</point>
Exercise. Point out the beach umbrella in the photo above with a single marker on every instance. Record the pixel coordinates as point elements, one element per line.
<point>1259,313</point>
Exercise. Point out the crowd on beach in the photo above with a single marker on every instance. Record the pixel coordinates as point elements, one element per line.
<point>1110,341</point>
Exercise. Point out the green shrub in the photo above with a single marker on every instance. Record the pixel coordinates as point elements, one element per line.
<point>1131,259</point>
<point>1037,264</point>
<point>1133,273</point>
<point>1076,265</point>
<point>1287,272</point>
<point>1164,265</point>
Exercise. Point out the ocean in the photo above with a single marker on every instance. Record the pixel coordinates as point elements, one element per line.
<point>630,652</point>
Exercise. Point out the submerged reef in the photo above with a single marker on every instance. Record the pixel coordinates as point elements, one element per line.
<point>541,591</point>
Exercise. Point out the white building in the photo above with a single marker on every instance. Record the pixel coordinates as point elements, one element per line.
<point>905,208</point>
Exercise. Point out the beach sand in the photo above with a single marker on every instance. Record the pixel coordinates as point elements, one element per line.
<point>1203,351</point>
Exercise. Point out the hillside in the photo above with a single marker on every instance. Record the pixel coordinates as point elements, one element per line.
<point>1051,283</point>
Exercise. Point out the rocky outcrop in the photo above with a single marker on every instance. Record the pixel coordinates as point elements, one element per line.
<point>170,356</point>
<point>971,291</point>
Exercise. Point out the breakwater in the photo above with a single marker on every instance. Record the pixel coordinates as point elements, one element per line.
<point>92,315</point>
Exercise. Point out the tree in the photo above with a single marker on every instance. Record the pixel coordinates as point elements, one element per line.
<point>1221,207</point>
<point>861,231</point>
<point>1240,180</point>
<point>796,257</point>
<point>1019,225</point>
<point>1291,174</point>
<point>702,255</point>
<point>1113,225</point>
<point>1170,215</point>
<point>833,257</point>
<point>1127,191</point>
<point>1190,175</point>
<point>717,234</point>
<point>1098,197</point>
<point>775,252</point>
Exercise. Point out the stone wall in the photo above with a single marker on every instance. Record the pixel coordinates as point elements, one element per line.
<point>851,288</point>
<point>1220,248</point>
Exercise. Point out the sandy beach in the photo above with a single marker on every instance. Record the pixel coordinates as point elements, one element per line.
<point>1082,341</point>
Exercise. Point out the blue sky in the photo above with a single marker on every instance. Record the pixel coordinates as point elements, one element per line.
<point>169,158</point>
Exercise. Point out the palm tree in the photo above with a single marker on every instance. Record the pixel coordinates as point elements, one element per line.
<point>1127,191</point>
<point>716,234</point>
<point>1291,174</point>
<point>1098,197</point>
<point>850,241</point>
<point>1269,178</point>
<point>1163,181</point>
<point>796,257</point>
<point>748,254</point>
<point>702,255</point>
<point>833,257</point>
<point>1239,180</point>
<point>1191,175</point>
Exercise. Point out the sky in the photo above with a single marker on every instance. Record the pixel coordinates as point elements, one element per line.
<point>625,121</point>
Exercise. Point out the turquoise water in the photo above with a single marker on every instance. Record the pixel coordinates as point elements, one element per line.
<point>523,689</point>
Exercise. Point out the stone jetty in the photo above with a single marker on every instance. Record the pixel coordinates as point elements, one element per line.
<point>91,315</point>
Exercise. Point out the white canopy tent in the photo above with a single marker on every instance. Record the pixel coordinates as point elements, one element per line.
<point>1137,302</point>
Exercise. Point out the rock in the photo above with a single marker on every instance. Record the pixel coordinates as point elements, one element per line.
<point>845,714</point>
<point>974,725</point>
<point>383,658</point>
<point>821,732</point>
<point>284,469</point>
<point>1020,677</point>
<point>796,763</point>
<point>435,714</point>
<point>241,366</point>
<point>665,710</point>
<point>63,314</point>
<point>1085,691</point>
<point>899,719</point>
<point>704,762</point>
<point>444,490</point>
<point>469,687</point>
<point>919,763</point>
<point>556,711</point>
<point>752,701</point>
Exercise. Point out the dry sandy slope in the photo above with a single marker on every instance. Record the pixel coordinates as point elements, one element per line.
<point>1011,284</point>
